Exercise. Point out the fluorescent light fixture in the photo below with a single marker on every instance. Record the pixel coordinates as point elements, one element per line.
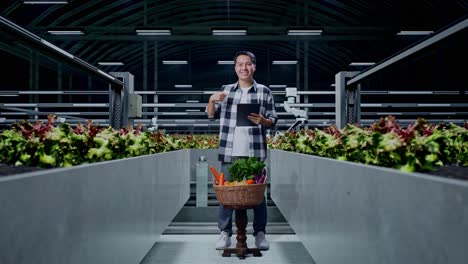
<point>304,32</point>
<point>40,92</point>
<point>435,105</point>
<point>226,62</point>
<point>111,63</point>
<point>45,2</point>
<point>68,113</point>
<point>443,113</point>
<point>153,32</point>
<point>174,62</point>
<point>175,113</point>
<point>446,92</point>
<point>65,32</point>
<point>278,86</point>
<point>185,121</point>
<point>371,105</point>
<point>315,92</point>
<point>90,105</point>
<point>144,92</point>
<point>192,110</point>
<point>192,101</point>
<point>410,92</point>
<point>20,105</point>
<point>8,95</point>
<point>361,63</point>
<point>414,32</point>
<point>229,32</point>
<point>285,62</point>
<point>387,113</point>
<point>158,105</point>
<point>183,86</point>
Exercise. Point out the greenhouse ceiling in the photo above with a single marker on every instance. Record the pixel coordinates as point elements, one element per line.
<point>323,36</point>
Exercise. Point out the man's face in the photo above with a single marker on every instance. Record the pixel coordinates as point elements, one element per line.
<point>244,68</point>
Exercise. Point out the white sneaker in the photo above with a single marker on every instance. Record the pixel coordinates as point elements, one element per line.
<point>261,242</point>
<point>224,241</point>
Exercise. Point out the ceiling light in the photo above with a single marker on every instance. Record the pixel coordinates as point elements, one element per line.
<point>278,86</point>
<point>145,92</point>
<point>192,101</point>
<point>387,114</point>
<point>304,32</point>
<point>183,86</point>
<point>446,92</point>
<point>410,92</point>
<point>361,63</point>
<point>229,32</point>
<point>284,62</point>
<point>45,2</point>
<point>415,32</point>
<point>192,110</point>
<point>20,105</point>
<point>226,62</point>
<point>65,32</point>
<point>111,63</point>
<point>40,92</point>
<point>158,105</point>
<point>153,32</point>
<point>89,105</point>
<point>174,62</point>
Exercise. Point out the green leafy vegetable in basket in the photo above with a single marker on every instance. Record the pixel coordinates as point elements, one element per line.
<point>246,168</point>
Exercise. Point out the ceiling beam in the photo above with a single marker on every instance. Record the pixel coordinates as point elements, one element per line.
<point>75,11</point>
<point>43,15</point>
<point>206,29</point>
<point>217,38</point>
<point>98,12</point>
<point>126,14</point>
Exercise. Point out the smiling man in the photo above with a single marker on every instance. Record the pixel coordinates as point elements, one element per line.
<point>242,141</point>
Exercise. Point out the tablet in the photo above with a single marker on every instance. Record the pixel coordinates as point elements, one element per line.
<point>243,111</point>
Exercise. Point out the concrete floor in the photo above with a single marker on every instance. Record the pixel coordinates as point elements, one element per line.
<point>189,249</point>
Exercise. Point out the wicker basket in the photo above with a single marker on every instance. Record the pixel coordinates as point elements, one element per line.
<point>240,195</point>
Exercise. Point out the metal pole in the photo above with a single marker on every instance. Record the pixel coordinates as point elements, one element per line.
<point>156,88</point>
<point>118,100</point>
<point>202,182</point>
<point>341,98</point>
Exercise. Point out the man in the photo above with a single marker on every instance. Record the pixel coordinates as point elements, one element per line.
<point>242,141</point>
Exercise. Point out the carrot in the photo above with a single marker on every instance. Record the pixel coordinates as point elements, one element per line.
<point>215,173</point>
<point>221,179</point>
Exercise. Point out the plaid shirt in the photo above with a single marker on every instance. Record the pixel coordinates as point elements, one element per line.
<point>227,113</point>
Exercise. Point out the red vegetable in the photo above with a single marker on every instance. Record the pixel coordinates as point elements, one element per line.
<point>215,173</point>
<point>221,179</point>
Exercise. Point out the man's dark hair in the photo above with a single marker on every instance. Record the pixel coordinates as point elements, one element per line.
<point>247,53</point>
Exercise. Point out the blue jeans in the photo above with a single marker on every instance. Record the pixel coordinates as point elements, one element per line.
<point>225,215</point>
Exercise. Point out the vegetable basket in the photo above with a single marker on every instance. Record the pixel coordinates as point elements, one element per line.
<point>240,195</point>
